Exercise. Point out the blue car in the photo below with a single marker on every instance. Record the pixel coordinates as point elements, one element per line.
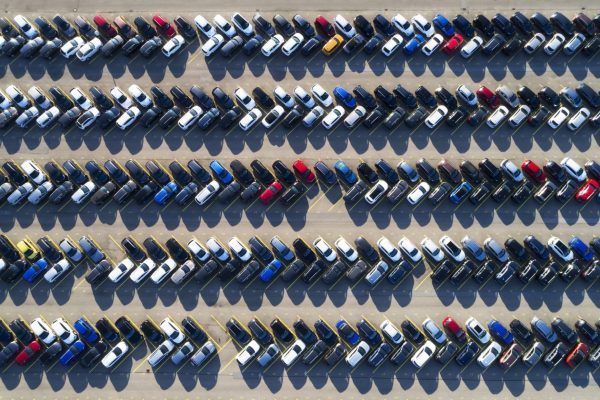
<point>222,174</point>
<point>36,269</point>
<point>581,249</point>
<point>72,353</point>
<point>86,331</point>
<point>270,270</point>
<point>165,193</point>
<point>500,332</point>
<point>344,97</point>
<point>413,45</point>
<point>345,173</point>
<point>461,192</point>
<point>347,332</point>
<point>443,25</point>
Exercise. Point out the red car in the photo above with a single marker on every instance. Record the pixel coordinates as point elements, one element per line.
<point>455,329</point>
<point>577,355</point>
<point>489,97</point>
<point>104,27</point>
<point>163,26</point>
<point>453,44</point>
<point>533,170</point>
<point>28,353</point>
<point>302,170</point>
<point>324,25</point>
<point>270,192</point>
<point>587,191</point>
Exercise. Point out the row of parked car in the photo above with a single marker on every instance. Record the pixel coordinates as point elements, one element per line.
<point>501,33</point>
<point>449,259</point>
<point>123,108</point>
<point>99,184</point>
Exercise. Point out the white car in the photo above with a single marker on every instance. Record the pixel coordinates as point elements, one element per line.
<point>376,192</point>
<point>423,354</point>
<point>64,332</point>
<point>477,331</point>
<point>165,269</point>
<point>89,49</point>
<point>573,169</point>
<point>172,331</point>
<point>344,26</point>
<point>422,25</point>
<point>40,193</point>
<point>142,271</point>
<point>313,116</point>
<point>272,45</point>
<point>88,118</point>
<point>39,98</point>
<point>204,26</point>
<point>41,329</point>
<point>403,25</point>
<point>244,99</point>
<point>390,331</point>
<point>186,269</point>
<point>512,170</point>
<point>207,193</point>
<point>121,98</point>
<point>434,331</point>
<point>333,117</point>
<point>198,251</point>
<point>242,24</point>
<point>128,118</point>
<point>534,43</point>
<point>217,249</point>
<point>5,101</point>
<point>239,250</point>
<point>213,44</point>
<point>173,45</point>
<point>554,44</point>
<point>26,27</point>
<point>346,250</point>
<point>57,270</point>
<point>574,43</point>
<point>392,45</point>
<point>160,353</point>
<point>322,96</point>
<point>80,98</point>
<point>18,96</point>
<point>293,352</point>
<point>410,250</point>
<point>471,47</point>
<point>20,194</point>
<point>115,354</point>
<point>273,116</point>
<point>388,249</point>
<point>250,119</point>
<point>248,353</point>
<point>292,44</point>
<point>432,250</point>
<point>519,116</point>
<point>304,97</point>
<point>48,117</point>
<point>34,172</point>
<point>189,118</point>
<point>489,355</point>
<point>358,353</point>
<point>354,117</point>
<point>418,193</point>
<point>69,49</point>
<point>432,44</point>
<point>497,117</point>
<point>436,116</point>
<point>283,97</point>
<point>224,26</point>
<point>578,119</point>
<point>324,249</point>
<point>466,95</point>
<point>121,270</point>
<point>558,118</point>
<point>560,249</point>
<point>376,273</point>
<point>139,96</point>
<point>84,192</point>
<point>452,248</point>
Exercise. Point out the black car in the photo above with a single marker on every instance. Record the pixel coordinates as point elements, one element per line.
<point>325,333</point>
<point>591,46</point>
<point>446,98</point>
<point>251,192</point>
<point>103,194</point>
<point>152,332</point>
<point>262,173</point>
<point>13,45</point>
<point>207,271</point>
<point>537,118</point>
<point>492,46</point>
<point>304,332</point>
<point>367,173</point>
<point>490,170</point>
<point>181,98</point>
<point>137,42</point>
<point>232,45</point>
<point>229,192</point>
<point>564,331</point>
<point>248,272</point>
<point>303,26</point>
<point>425,97</point>
<point>304,252</point>
<point>555,171</point>
<point>311,46</point>
<point>230,117</point>
<point>169,117</point>
<point>253,44</point>
<point>446,353</point>
<point>281,332</point>
<point>263,25</point>
<point>355,192</point>
<point>364,26</point>
<point>100,271</point>
<point>69,117</point>
<point>333,273</point>
<point>385,96</point>
<point>521,332</point>
<point>399,272</point>
<point>542,23</point>
<point>283,173</point>
<point>462,273</point>
<point>238,332</point>
<point>133,250</point>
<point>9,352</point>
<point>293,117</point>
<point>260,332</point>
<point>107,118</point>
<point>14,271</point>
<point>194,331</point>
<point>383,25</point>
<point>563,23</point>
<point>484,25</point>
<point>366,250</point>
<point>386,171</point>
<point>504,25</point>
<point>179,173</point>
<point>516,249</point>
<point>411,332</point>
<point>529,97</point>
<point>160,98</point>
<point>185,28</point>
<point>484,272</point>
<point>512,47</point>
<point>480,193</point>
<point>354,44</point>
<point>292,193</point>
<point>283,25</point>
<point>457,117</point>
<point>550,97</point>
<point>374,117</point>
<point>50,355</point>
<point>587,332</point>
<point>14,173</point>
<point>427,171</point>
<point>293,270</point>
<point>64,26</point>
<point>137,172</point>
<point>144,28</point>
<point>107,330</point>
<point>101,100</point>
<point>55,173</point>
<point>467,354</point>
<point>51,48</point>
<point>241,173</point>
<point>49,250</point>
<point>373,44</point>
<point>477,116</point>
<point>405,96</point>
<point>588,94</point>
<point>529,271</point>
<point>155,250</point>
<point>394,118</point>
<point>96,172</point>
<point>522,23</point>
<point>177,251</point>
<point>463,25</point>
<point>402,354</point>
<point>21,331</point>
<point>201,98</point>
<point>313,271</point>
<point>61,193</point>
<point>7,116</point>
<point>364,98</point>
<point>262,98</point>
<point>150,116</point>
<point>46,28</point>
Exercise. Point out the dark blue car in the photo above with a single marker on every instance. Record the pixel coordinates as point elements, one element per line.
<point>347,332</point>
<point>581,249</point>
<point>270,270</point>
<point>413,45</point>
<point>221,173</point>
<point>443,25</point>
<point>498,331</point>
<point>165,193</point>
<point>345,173</point>
<point>344,97</point>
<point>72,353</point>
<point>36,269</point>
<point>86,331</point>
<point>461,192</point>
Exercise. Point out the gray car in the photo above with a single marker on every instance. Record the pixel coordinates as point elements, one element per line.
<point>203,354</point>
<point>91,250</point>
<point>182,353</point>
<point>534,354</point>
<point>542,329</point>
<point>495,250</point>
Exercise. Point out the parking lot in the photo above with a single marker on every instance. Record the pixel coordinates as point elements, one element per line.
<point>321,211</point>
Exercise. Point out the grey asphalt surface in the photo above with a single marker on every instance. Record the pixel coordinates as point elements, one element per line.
<point>319,213</point>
